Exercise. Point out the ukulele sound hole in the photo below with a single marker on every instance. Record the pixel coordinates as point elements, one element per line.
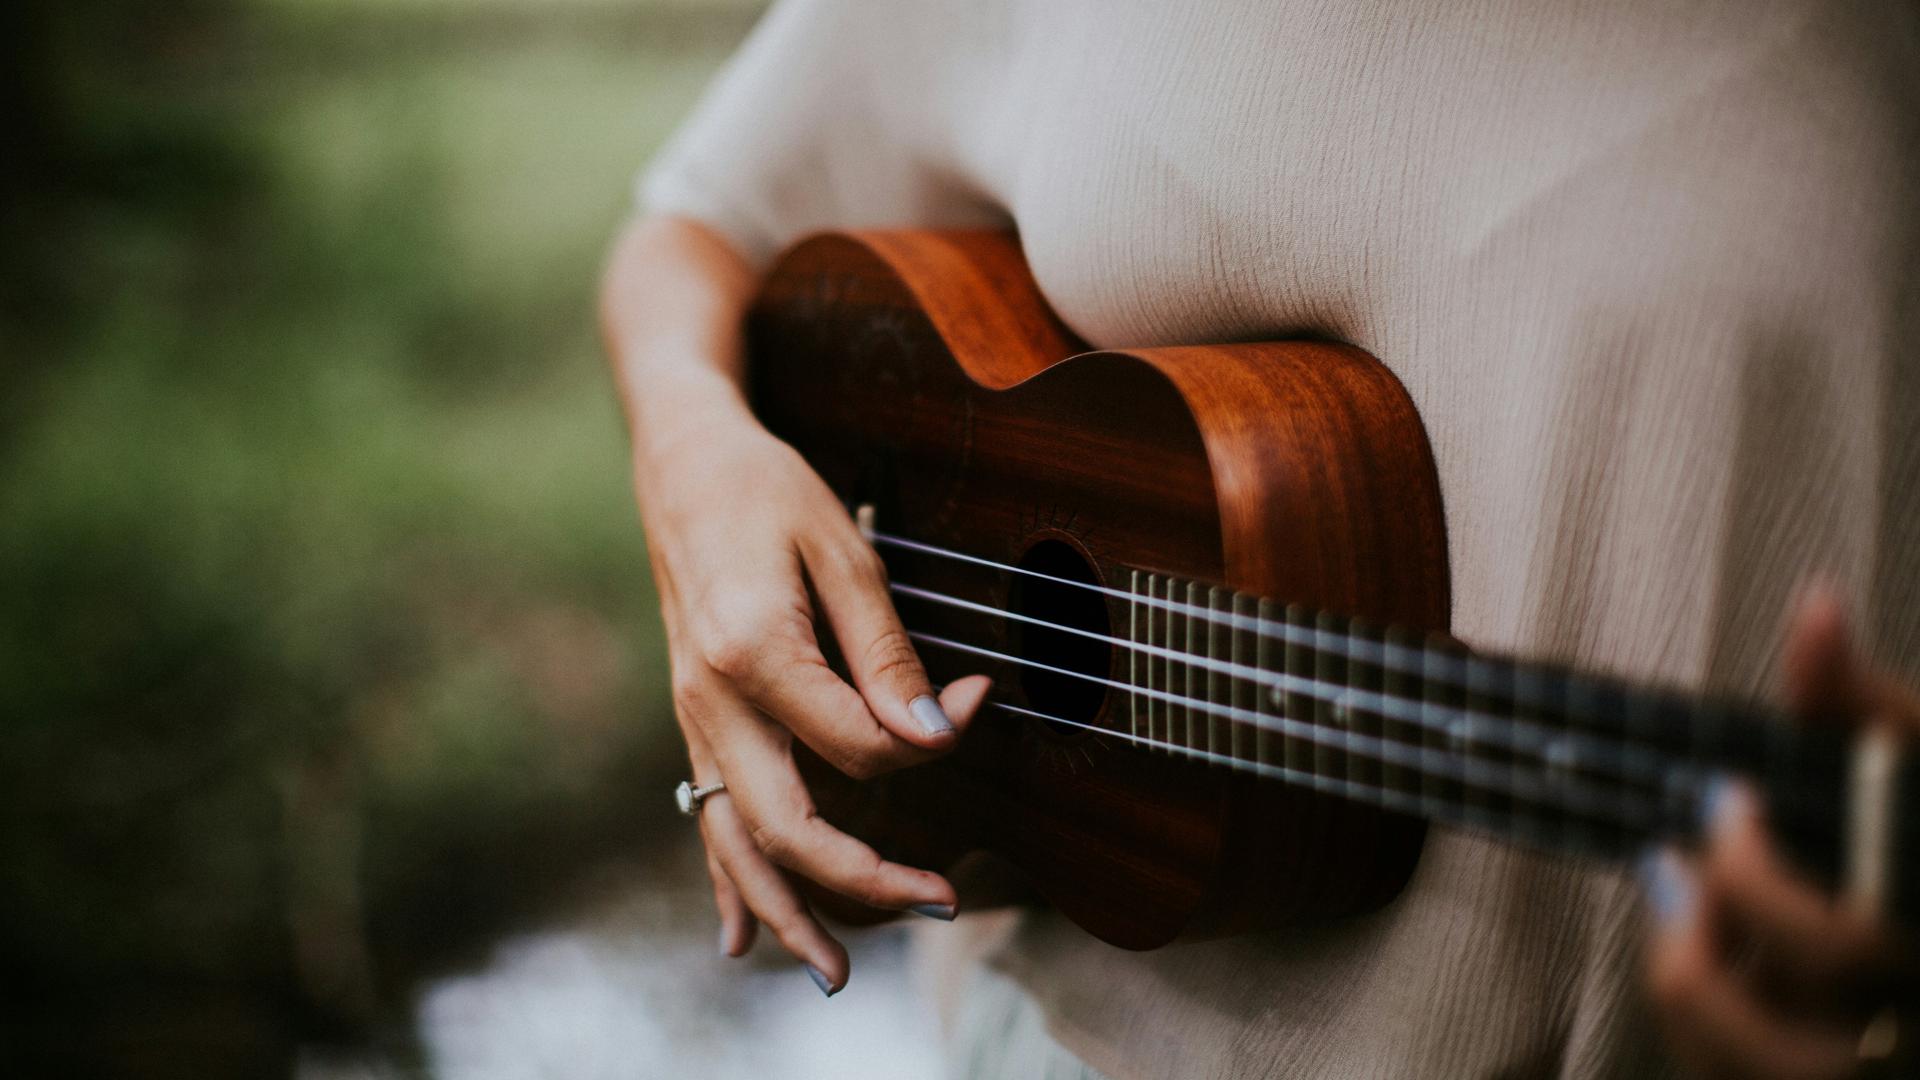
<point>1058,601</point>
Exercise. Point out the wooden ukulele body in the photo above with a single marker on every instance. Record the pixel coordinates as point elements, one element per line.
<point>921,373</point>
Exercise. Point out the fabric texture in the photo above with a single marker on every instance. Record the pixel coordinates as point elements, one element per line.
<point>1647,268</point>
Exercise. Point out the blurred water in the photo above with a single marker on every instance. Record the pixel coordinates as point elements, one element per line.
<point>633,986</point>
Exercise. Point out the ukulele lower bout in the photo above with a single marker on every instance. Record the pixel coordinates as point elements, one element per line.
<point>1091,529</point>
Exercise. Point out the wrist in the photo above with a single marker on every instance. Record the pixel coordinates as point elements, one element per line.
<point>667,405</point>
<point>680,424</point>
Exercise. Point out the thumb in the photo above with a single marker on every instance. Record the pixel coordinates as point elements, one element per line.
<point>1825,680</point>
<point>852,588</point>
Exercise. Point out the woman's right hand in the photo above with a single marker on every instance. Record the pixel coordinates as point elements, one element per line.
<point>744,538</point>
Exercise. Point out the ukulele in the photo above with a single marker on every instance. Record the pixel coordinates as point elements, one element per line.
<point>1211,586</point>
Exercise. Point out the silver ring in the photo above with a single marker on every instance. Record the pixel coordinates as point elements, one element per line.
<point>690,797</point>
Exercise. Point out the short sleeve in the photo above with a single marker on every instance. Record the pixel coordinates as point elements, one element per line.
<point>829,116</point>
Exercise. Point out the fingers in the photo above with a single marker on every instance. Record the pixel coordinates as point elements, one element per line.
<point>749,890</point>
<point>782,823</point>
<point>963,697</point>
<point>851,582</point>
<point>737,924</point>
<point>1824,681</point>
<point>761,647</point>
<point>771,896</point>
<point>1798,1008</point>
<point>1714,1019</point>
<point>1821,950</point>
<point>1826,677</point>
<point>801,692</point>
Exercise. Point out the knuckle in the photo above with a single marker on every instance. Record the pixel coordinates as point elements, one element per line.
<point>775,841</point>
<point>856,561</point>
<point>740,638</point>
<point>858,761</point>
<point>790,926</point>
<point>891,656</point>
<point>734,651</point>
<point>734,642</point>
<point>858,765</point>
<point>871,882</point>
<point>688,692</point>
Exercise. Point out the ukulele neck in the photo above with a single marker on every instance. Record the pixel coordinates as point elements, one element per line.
<point>1536,754</point>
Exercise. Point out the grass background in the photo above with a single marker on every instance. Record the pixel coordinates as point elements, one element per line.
<point>326,645</point>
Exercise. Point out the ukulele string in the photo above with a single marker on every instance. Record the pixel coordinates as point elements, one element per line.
<point>1345,645</point>
<point>1547,834</point>
<point>1565,748</point>
<point>1435,667</point>
<point>1540,786</point>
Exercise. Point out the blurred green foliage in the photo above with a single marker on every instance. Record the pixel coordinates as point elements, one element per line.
<point>325,638</point>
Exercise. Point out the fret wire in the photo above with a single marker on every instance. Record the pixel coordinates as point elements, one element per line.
<point>1133,655</point>
<point>1299,690</point>
<point>1458,768</point>
<point>1294,664</point>
<point>1485,683</point>
<point>1188,734</point>
<point>1245,694</point>
<point>1547,689</point>
<point>1156,662</point>
<point>1176,626</point>
<point>1331,714</point>
<point>1439,696</point>
<point>1397,684</point>
<point>1366,722</point>
<point>1579,690</point>
<point>1219,640</point>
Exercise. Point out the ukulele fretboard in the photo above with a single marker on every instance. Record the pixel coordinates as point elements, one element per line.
<point>1533,753</point>
<point>1420,725</point>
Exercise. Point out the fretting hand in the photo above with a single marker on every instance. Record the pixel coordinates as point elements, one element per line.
<point>1757,972</point>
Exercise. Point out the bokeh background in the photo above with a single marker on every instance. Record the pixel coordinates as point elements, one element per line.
<point>333,730</point>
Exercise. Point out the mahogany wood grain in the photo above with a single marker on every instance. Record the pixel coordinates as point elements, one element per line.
<point>922,372</point>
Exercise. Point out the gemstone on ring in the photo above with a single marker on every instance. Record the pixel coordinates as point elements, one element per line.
<point>689,798</point>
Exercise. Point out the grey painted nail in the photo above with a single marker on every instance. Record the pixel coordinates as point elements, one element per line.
<point>943,912</point>
<point>1671,891</point>
<point>926,712</point>
<point>820,980</point>
<point>1723,805</point>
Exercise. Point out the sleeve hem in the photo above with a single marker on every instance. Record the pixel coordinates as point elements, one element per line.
<point>677,190</point>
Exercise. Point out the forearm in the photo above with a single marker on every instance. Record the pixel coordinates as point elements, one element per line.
<point>671,304</point>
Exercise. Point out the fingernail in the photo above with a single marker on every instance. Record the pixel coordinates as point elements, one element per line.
<point>1670,890</point>
<point>943,912</point>
<point>1723,806</point>
<point>926,712</point>
<point>726,941</point>
<point>820,980</point>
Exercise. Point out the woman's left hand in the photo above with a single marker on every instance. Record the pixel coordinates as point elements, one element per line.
<point>1755,971</point>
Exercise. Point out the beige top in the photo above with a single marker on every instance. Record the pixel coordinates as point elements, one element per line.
<point>1648,268</point>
